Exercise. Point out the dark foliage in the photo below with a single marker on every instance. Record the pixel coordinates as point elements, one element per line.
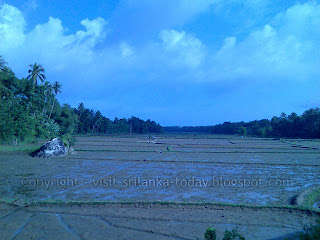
<point>292,126</point>
<point>29,109</point>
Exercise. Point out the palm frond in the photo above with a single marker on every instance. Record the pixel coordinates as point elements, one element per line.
<point>36,72</point>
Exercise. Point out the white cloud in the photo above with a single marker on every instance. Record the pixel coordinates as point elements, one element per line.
<point>285,48</point>
<point>12,26</point>
<point>49,35</point>
<point>95,32</point>
<point>229,42</point>
<point>48,43</point>
<point>301,20</point>
<point>126,50</point>
<point>182,48</point>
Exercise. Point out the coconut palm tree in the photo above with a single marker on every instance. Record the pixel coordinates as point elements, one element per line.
<point>36,72</point>
<point>56,87</point>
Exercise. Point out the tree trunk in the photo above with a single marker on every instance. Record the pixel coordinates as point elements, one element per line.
<point>52,107</point>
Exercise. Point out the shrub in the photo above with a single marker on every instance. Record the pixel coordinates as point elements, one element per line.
<point>233,235</point>
<point>311,234</point>
<point>211,234</point>
<point>68,140</point>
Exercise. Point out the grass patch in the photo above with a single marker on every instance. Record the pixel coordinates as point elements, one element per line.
<point>211,234</point>
<point>308,198</point>
<point>311,233</point>
<point>25,175</point>
<point>313,197</point>
<point>20,148</point>
<point>110,150</point>
<point>170,204</point>
<point>25,190</point>
<point>213,152</point>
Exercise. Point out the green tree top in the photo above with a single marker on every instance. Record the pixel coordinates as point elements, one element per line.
<point>56,87</point>
<point>3,64</point>
<point>36,72</point>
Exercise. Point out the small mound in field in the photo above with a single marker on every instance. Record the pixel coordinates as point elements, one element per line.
<point>309,198</point>
<point>53,148</point>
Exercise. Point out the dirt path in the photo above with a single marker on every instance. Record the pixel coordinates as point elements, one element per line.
<point>147,221</point>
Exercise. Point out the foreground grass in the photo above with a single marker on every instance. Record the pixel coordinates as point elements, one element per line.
<point>27,148</point>
<point>312,233</point>
<point>208,152</point>
<point>163,203</point>
<point>310,197</point>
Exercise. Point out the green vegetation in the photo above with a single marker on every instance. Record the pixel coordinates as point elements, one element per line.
<point>311,233</point>
<point>36,72</point>
<point>233,235</point>
<point>19,148</point>
<point>25,190</point>
<point>93,122</point>
<point>29,110</point>
<point>211,234</point>
<point>292,126</point>
<point>175,204</point>
<point>311,197</point>
<point>68,140</point>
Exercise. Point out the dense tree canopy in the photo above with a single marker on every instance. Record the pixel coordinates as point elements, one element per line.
<point>29,109</point>
<point>2,64</point>
<point>293,126</point>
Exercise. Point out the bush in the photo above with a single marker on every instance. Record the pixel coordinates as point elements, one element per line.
<point>233,235</point>
<point>211,234</point>
<point>311,234</point>
<point>68,140</point>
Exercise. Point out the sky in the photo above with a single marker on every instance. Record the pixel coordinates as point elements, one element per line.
<point>177,62</point>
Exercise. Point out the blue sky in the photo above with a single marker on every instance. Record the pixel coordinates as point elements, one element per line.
<point>178,62</point>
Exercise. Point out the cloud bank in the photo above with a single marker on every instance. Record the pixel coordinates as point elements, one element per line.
<point>172,68</point>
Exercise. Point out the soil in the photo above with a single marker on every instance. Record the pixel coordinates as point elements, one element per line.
<point>114,209</point>
<point>148,221</point>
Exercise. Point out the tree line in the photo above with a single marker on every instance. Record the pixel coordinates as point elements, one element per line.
<point>306,125</point>
<point>29,109</point>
